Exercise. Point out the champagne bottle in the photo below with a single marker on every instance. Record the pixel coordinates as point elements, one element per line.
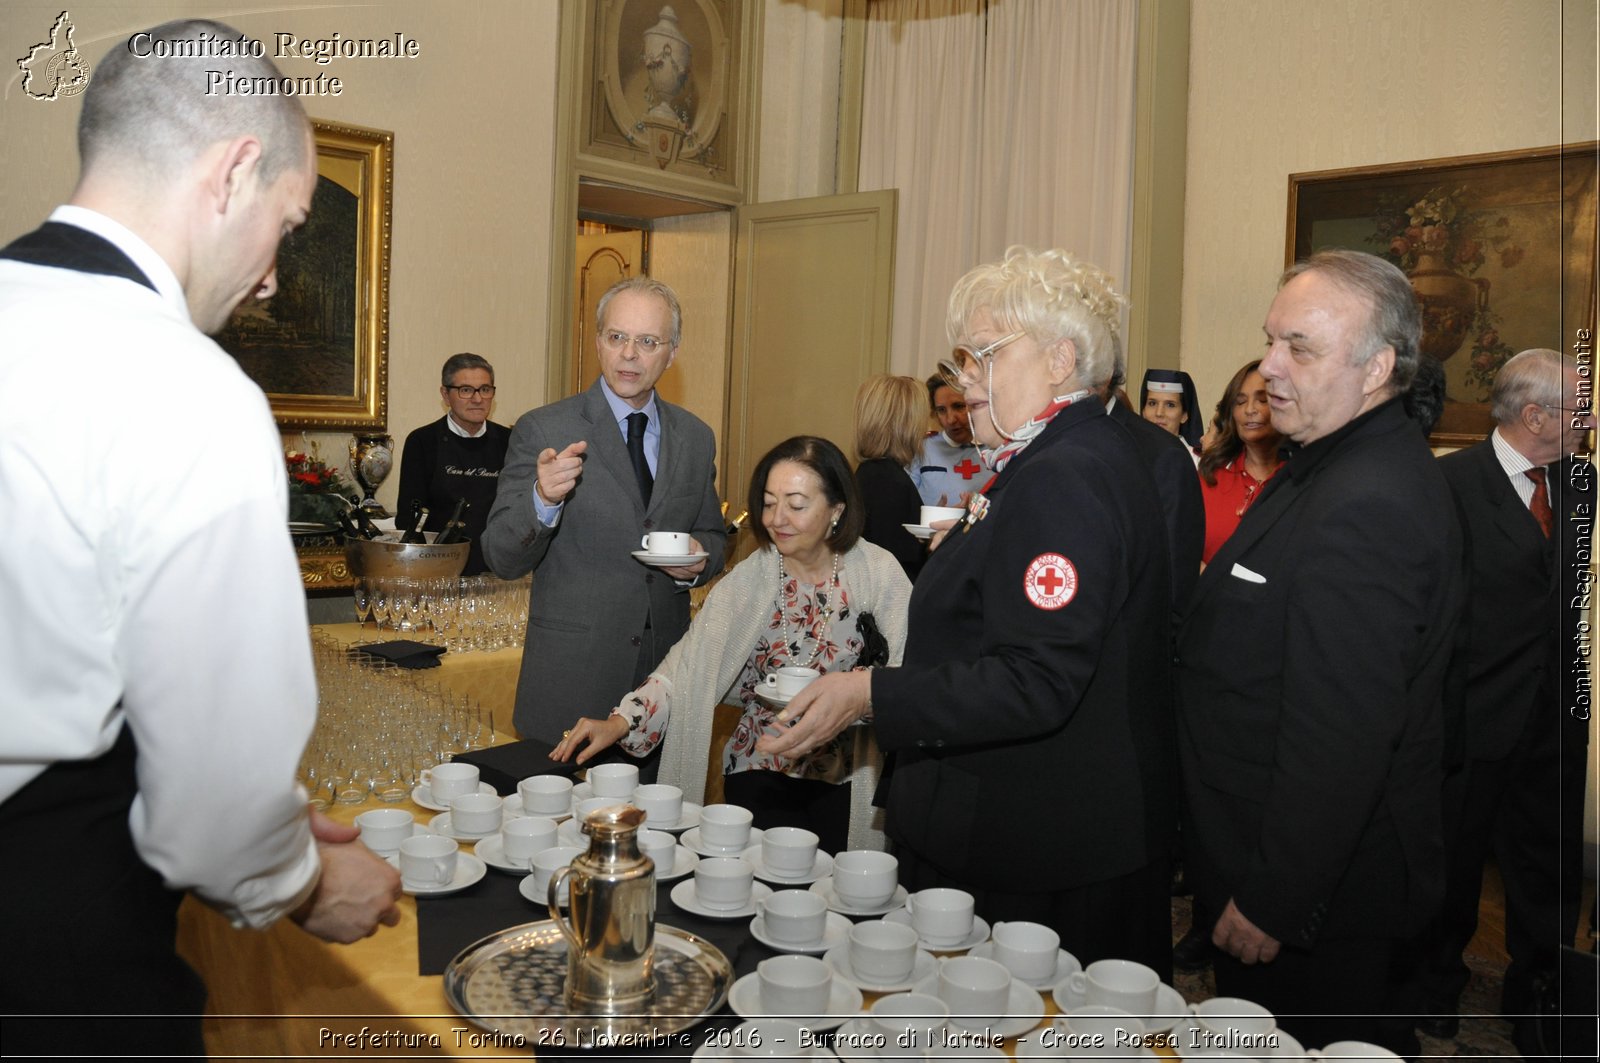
<point>415,535</point>
<point>348,526</point>
<point>364,526</point>
<point>455,527</point>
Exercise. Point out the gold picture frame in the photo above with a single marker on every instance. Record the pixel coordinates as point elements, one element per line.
<point>1501,249</point>
<point>319,348</point>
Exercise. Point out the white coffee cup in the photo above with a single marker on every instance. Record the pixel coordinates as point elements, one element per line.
<point>674,543</point>
<point>929,514</point>
<point>977,990</point>
<point>525,836</point>
<point>383,829</point>
<point>476,813</point>
<point>1027,950</point>
<point>592,804</point>
<point>766,1039</point>
<point>1118,983</point>
<point>428,860</point>
<point>1232,1022</point>
<point>789,850</point>
<point>450,780</point>
<point>661,803</point>
<point>882,952</point>
<point>613,780</point>
<point>794,985</point>
<point>864,878</point>
<point>909,1024</point>
<point>661,847</point>
<point>546,862</point>
<point>723,882</point>
<point>1111,1030</point>
<point>942,916</point>
<point>789,680</point>
<point>1352,1050</point>
<point>546,795</point>
<point>794,917</point>
<point>725,826</point>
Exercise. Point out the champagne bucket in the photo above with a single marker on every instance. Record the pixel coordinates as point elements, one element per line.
<point>384,559</point>
<point>611,936</point>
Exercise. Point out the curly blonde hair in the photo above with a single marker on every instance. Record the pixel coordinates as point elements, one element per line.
<point>1051,295</point>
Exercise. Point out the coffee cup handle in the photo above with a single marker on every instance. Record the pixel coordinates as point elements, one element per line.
<point>441,871</point>
<point>427,778</point>
<point>771,680</point>
<point>644,542</point>
<point>911,905</point>
<point>1078,983</point>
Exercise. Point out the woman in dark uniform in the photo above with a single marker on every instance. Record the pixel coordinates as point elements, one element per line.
<point>1031,720</point>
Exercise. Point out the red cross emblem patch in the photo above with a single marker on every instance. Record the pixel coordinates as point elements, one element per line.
<point>1051,581</point>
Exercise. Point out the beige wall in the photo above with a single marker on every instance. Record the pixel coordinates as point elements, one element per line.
<point>1283,86</point>
<point>473,127</point>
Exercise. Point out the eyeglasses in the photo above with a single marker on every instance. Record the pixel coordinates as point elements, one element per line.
<point>466,391</point>
<point>617,342</point>
<point>966,364</point>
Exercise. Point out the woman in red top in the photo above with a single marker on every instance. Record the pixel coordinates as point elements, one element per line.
<point>1244,456</point>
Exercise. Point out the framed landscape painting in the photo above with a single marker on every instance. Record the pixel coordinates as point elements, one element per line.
<point>319,347</point>
<point>1500,249</point>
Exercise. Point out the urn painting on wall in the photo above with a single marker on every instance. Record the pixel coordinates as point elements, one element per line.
<point>1500,249</point>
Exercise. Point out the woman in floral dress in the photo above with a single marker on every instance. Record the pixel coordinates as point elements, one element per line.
<point>814,595</point>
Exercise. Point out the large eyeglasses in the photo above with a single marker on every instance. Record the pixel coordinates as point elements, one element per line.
<point>966,365</point>
<point>466,391</point>
<point>616,342</point>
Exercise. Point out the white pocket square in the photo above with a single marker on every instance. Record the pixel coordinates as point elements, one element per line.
<point>1240,572</point>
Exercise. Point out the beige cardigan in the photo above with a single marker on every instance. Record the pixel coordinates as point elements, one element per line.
<point>702,668</point>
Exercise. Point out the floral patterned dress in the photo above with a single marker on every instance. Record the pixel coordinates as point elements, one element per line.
<point>836,642</point>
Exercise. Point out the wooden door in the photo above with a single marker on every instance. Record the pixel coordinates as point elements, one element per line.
<point>603,259</point>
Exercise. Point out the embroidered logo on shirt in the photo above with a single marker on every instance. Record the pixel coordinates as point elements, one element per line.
<point>1051,581</point>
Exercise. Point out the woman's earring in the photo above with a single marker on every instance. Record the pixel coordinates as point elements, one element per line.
<point>833,525</point>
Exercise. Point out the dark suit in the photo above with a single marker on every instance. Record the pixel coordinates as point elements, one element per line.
<point>1167,458</point>
<point>1034,740</point>
<point>1519,792</point>
<point>1311,660</point>
<point>598,620</point>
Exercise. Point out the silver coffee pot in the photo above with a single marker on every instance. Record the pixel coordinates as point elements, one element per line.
<point>612,897</point>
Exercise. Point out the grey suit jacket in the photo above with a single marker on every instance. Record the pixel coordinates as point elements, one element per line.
<point>594,611</point>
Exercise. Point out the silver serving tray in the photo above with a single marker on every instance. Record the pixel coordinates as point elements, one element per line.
<point>514,983</point>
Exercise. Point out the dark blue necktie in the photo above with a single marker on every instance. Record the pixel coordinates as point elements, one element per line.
<point>641,467</point>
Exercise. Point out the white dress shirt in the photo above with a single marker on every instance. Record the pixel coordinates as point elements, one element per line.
<point>149,579</point>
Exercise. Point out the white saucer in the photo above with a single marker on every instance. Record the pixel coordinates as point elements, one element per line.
<point>1032,1047</point>
<point>1024,1009</point>
<point>441,825</point>
<point>844,1003</point>
<point>422,795</point>
<point>581,791</point>
<point>469,870</point>
<point>924,965</point>
<point>980,933</point>
<point>417,830</point>
<point>534,895</point>
<point>685,862</point>
<point>772,697</point>
<point>683,895</point>
<point>919,531</point>
<point>492,851</point>
<point>1170,1006</point>
<point>823,887</point>
<point>571,833</point>
<point>668,560</point>
<point>859,1030</point>
<point>821,867</point>
<point>688,816</point>
<point>836,934</point>
<point>1288,1048</point>
<point>1066,963</point>
<point>514,810</point>
<point>711,1053</point>
<point>691,838</point>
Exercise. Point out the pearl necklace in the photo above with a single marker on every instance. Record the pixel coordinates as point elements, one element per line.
<point>791,647</point>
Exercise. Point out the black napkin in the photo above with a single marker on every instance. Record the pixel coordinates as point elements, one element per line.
<point>446,925</point>
<point>504,766</point>
<point>404,652</point>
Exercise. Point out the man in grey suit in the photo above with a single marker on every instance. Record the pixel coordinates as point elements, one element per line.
<point>585,479</point>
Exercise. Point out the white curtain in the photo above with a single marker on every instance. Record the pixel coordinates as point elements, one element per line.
<point>1001,122</point>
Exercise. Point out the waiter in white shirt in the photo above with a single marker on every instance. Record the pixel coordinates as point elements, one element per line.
<point>156,678</point>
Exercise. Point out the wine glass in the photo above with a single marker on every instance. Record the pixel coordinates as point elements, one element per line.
<point>380,602</point>
<point>363,599</point>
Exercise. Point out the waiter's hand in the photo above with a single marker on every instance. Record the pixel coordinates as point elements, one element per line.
<point>825,707</point>
<point>357,890</point>
<point>558,473</point>
<point>593,736</point>
<point>688,572</point>
<point>1242,939</point>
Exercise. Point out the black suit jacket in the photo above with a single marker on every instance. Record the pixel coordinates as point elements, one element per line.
<point>1034,743</point>
<point>1311,661</point>
<point>1171,467</point>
